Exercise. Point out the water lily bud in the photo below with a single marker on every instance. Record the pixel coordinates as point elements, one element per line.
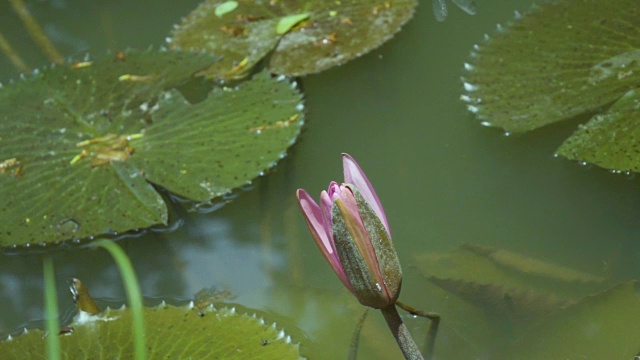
<point>352,232</point>
<point>367,255</point>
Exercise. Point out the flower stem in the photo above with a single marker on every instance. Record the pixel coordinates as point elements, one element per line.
<point>401,333</point>
<point>433,327</point>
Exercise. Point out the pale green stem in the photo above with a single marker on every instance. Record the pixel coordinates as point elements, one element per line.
<point>51,308</point>
<point>134,295</point>
<point>401,333</point>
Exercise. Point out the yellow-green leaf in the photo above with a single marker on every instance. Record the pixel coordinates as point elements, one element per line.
<point>172,333</point>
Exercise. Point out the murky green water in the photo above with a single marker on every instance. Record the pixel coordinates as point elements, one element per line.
<point>443,179</point>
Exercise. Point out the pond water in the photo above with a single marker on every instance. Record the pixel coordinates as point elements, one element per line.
<point>444,180</point>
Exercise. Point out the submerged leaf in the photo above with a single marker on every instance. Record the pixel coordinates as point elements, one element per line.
<point>517,273</point>
<point>81,146</point>
<point>193,334</point>
<point>307,37</point>
<point>602,326</point>
<point>210,296</point>
<point>532,267</point>
<point>562,59</point>
<point>522,306</point>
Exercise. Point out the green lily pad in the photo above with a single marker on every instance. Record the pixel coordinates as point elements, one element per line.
<point>562,59</point>
<point>172,333</point>
<point>599,327</point>
<point>307,37</point>
<point>83,144</point>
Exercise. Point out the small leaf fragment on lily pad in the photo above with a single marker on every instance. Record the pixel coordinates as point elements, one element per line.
<point>286,23</point>
<point>213,334</point>
<point>87,143</point>
<point>305,37</point>
<point>225,8</point>
<point>562,59</point>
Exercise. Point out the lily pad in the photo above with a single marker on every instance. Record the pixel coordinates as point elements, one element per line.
<point>83,144</point>
<point>193,334</point>
<point>610,140</point>
<point>560,60</point>
<point>305,37</point>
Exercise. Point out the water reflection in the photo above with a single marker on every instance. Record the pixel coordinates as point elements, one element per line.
<point>214,256</point>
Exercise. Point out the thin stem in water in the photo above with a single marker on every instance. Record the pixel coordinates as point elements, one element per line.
<point>34,29</point>
<point>355,339</point>
<point>13,56</point>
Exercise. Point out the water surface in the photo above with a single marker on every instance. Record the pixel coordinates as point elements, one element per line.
<point>443,179</point>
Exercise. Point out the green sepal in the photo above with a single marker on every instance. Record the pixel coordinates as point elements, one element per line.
<point>363,284</point>
<point>383,245</point>
<point>360,275</point>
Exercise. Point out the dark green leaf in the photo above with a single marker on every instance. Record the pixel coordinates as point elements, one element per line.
<point>308,37</point>
<point>610,140</point>
<point>81,143</point>
<point>562,59</point>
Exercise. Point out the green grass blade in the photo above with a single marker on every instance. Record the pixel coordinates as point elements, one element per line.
<point>134,294</point>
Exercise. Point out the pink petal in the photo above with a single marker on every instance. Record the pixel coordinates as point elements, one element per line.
<point>354,175</point>
<point>322,231</point>
<point>315,220</point>
<point>325,207</point>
